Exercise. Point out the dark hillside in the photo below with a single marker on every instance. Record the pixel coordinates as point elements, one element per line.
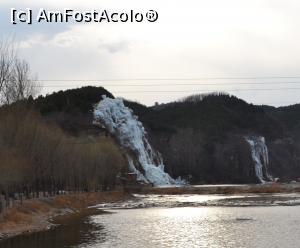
<point>215,116</point>
<point>79,100</point>
<point>203,136</point>
<point>72,109</point>
<point>289,115</point>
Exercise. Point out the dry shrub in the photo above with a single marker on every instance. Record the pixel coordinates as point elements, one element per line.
<point>15,216</point>
<point>36,206</point>
<point>269,188</point>
<point>44,158</point>
<point>33,213</point>
<point>14,167</point>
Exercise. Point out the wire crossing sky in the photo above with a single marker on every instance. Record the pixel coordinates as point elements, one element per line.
<point>247,48</point>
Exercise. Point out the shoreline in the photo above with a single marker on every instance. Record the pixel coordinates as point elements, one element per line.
<point>226,189</point>
<point>41,214</point>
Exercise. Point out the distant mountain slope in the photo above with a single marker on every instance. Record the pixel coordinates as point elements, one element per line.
<point>71,101</point>
<point>289,115</point>
<point>215,115</point>
<point>205,137</point>
<point>201,137</point>
<point>72,109</point>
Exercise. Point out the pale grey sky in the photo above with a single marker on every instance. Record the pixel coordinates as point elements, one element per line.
<point>191,39</point>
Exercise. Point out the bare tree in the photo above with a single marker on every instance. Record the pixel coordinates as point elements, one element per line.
<point>7,59</point>
<point>16,81</point>
<point>21,84</point>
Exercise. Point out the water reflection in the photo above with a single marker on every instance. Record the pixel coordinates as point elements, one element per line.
<point>77,230</point>
<point>205,227</point>
<point>170,201</point>
<point>208,222</point>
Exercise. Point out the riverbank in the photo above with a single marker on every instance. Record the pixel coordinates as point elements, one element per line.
<point>176,221</point>
<point>37,214</point>
<point>226,189</point>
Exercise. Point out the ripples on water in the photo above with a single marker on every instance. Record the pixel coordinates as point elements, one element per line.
<point>167,225</point>
<point>202,227</point>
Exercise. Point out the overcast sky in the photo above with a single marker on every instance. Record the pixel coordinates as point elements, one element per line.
<point>191,39</point>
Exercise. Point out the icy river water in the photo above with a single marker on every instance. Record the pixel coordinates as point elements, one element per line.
<point>180,221</point>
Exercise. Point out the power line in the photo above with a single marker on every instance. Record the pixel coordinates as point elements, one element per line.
<point>170,79</point>
<point>222,84</point>
<point>173,84</point>
<point>206,90</point>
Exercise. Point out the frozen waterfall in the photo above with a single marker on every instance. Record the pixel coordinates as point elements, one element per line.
<point>120,121</point>
<point>259,153</point>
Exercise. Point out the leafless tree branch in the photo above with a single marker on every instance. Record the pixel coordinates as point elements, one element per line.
<point>16,81</point>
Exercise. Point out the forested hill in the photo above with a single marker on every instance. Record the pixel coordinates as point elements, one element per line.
<point>50,143</point>
<point>214,115</point>
<point>202,136</point>
<point>72,109</point>
<point>71,101</point>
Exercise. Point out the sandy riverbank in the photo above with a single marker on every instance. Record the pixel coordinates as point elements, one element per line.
<point>36,214</point>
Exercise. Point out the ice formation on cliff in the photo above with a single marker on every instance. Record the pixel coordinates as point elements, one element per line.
<point>131,135</point>
<point>260,156</point>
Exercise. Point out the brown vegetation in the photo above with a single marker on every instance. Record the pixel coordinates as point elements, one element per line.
<point>271,188</point>
<point>34,214</point>
<point>38,158</point>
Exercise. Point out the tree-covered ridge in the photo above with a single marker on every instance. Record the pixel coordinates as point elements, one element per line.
<point>212,114</point>
<point>79,100</point>
<point>50,144</point>
<point>200,135</point>
<point>204,136</point>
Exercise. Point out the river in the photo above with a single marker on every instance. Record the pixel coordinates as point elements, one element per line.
<point>210,221</point>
